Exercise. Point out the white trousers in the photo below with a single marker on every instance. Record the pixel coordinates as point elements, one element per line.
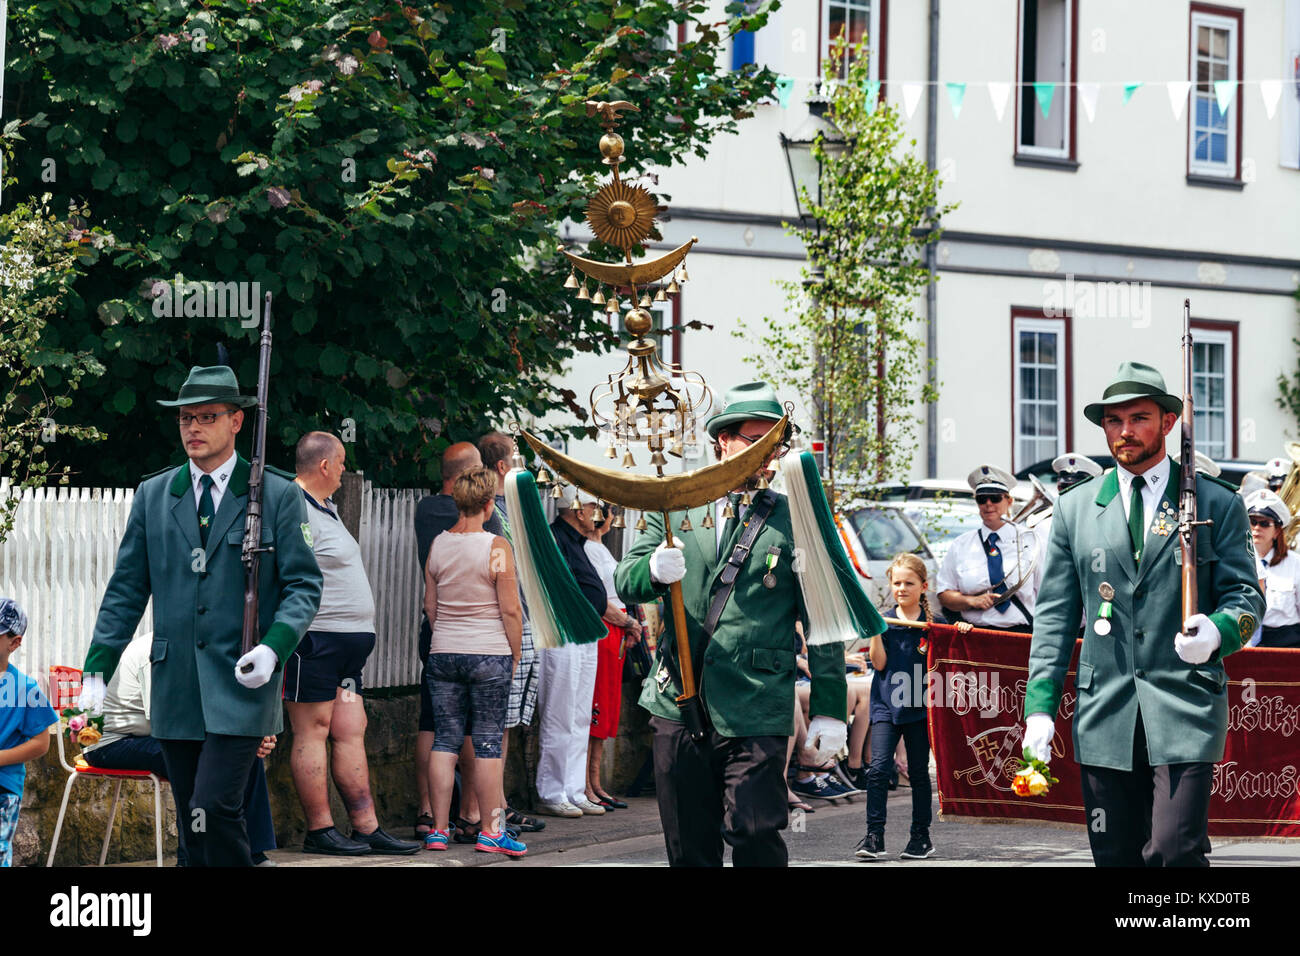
<point>566,684</point>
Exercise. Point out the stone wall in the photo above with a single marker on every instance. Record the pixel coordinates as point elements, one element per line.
<point>390,748</point>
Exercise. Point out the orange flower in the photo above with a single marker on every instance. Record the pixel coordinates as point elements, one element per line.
<point>1020,785</point>
<point>88,737</point>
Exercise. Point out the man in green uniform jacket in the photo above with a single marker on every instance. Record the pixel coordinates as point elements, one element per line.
<point>182,547</point>
<point>731,785</point>
<point>1151,714</point>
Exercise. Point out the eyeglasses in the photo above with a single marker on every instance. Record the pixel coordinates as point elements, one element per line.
<point>781,450</point>
<point>989,499</point>
<point>1259,522</point>
<point>204,418</point>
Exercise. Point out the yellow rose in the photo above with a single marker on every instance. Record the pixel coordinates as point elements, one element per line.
<point>88,737</point>
<point>1037,784</point>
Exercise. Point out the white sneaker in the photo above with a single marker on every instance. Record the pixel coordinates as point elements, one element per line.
<point>589,808</point>
<point>562,809</point>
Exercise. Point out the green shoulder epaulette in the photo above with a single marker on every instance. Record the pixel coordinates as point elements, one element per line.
<point>281,472</point>
<point>160,471</point>
<point>1219,481</point>
<point>1078,484</point>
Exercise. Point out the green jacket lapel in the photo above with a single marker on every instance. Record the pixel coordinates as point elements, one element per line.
<point>232,504</point>
<point>1114,526</point>
<point>185,509</point>
<point>1155,544</point>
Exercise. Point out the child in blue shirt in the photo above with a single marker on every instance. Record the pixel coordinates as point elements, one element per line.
<point>898,701</point>
<point>25,720</point>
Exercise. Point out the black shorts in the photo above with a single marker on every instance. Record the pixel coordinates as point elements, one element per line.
<point>324,662</point>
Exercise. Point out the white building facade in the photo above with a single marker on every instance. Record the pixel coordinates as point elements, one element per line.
<point>1145,153</point>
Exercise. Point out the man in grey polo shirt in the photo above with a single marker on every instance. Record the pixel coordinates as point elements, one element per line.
<point>322,678</point>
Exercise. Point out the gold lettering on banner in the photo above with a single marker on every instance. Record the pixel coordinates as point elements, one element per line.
<point>1231,783</point>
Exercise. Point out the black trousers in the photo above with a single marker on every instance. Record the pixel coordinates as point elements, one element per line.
<point>209,778</point>
<point>1148,816</point>
<point>724,788</point>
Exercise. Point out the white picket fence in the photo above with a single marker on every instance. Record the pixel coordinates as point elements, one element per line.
<point>57,560</point>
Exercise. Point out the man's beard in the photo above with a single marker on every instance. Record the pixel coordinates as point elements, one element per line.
<point>1147,452</point>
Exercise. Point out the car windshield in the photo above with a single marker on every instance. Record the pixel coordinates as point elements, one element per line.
<point>883,533</point>
<point>944,524</point>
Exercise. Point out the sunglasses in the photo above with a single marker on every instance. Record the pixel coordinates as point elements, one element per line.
<point>781,450</point>
<point>989,499</point>
<point>1258,522</point>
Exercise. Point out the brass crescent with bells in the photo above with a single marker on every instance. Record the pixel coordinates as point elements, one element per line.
<point>638,274</point>
<point>669,493</point>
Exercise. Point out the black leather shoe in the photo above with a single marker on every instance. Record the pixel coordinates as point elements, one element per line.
<point>609,803</point>
<point>381,842</point>
<point>333,843</point>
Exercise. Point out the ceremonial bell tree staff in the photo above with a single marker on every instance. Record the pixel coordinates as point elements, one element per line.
<point>722,687</point>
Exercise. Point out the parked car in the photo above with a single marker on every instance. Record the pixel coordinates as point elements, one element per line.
<point>876,532</point>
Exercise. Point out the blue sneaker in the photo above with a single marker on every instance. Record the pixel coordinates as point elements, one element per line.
<point>437,840</point>
<point>500,843</point>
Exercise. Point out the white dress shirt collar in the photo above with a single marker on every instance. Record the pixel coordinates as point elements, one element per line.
<point>220,479</point>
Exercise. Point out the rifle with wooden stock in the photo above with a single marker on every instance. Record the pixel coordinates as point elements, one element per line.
<point>253,550</point>
<point>1187,520</point>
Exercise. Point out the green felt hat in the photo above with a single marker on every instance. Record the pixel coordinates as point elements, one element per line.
<point>216,383</point>
<point>754,400</point>
<point>1133,381</point>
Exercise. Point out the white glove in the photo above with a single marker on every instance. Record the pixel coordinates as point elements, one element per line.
<point>263,660</point>
<point>827,737</point>
<point>667,565</point>
<point>1199,639</point>
<point>93,690</point>
<point>1039,731</point>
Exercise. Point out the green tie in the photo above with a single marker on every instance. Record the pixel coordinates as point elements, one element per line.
<point>205,508</point>
<point>1137,525</point>
<point>729,529</point>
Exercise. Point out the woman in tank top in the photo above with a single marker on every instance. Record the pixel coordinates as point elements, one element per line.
<point>471,598</point>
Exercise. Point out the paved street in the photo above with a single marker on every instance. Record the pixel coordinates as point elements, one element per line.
<point>826,837</point>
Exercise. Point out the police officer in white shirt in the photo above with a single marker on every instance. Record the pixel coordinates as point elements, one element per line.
<point>1279,571</point>
<point>992,559</point>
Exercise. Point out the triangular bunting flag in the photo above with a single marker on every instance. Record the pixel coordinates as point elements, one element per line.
<point>956,93</point>
<point>873,95</point>
<point>1088,97</point>
<point>784,87</point>
<point>1129,90</point>
<point>1178,96</point>
<point>1271,90</point>
<point>998,93</point>
<point>1224,90</point>
<point>911,96</point>
<point>1044,93</point>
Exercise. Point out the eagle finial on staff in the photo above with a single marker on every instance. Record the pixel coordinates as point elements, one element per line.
<point>609,111</point>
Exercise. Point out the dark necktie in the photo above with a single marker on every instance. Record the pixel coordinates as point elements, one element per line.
<point>729,528</point>
<point>1136,518</point>
<point>205,508</point>
<point>996,575</point>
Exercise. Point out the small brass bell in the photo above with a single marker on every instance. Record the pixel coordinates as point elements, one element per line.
<point>583,293</point>
<point>617,521</point>
<point>686,524</point>
<point>599,297</point>
<point>762,484</point>
<point>556,493</point>
<point>517,462</point>
<point>575,506</point>
<point>728,512</point>
<point>682,276</point>
<point>745,500</point>
<point>657,459</point>
<point>644,301</point>
<point>628,461</point>
<point>572,281</point>
<point>673,287</point>
<point>640,523</point>
<point>660,296</point>
<point>708,519</point>
<point>612,306</point>
<point>610,452</point>
<point>543,479</point>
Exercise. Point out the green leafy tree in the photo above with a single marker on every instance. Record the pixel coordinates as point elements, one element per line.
<point>394,174</point>
<point>1289,387</point>
<point>853,343</point>
<point>40,256</point>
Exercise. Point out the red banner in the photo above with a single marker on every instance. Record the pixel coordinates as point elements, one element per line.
<point>977,690</point>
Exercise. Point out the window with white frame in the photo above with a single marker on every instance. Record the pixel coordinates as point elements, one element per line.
<point>1039,390</point>
<point>1046,48</point>
<point>1212,364</point>
<point>858,17</point>
<point>1212,135</point>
